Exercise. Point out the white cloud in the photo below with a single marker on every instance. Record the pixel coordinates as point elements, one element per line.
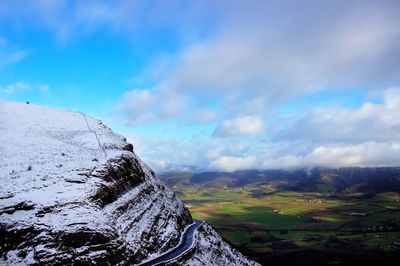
<point>20,86</point>
<point>259,63</point>
<point>205,116</point>
<point>263,54</point>
<point>165,153</point>
<point>326,136</point>
<point>230,164</point>
<point>134,102</point>
<point>13,88</point>
<point>371,121</point>
<point>10,55</point>
<point>245,125</point>
<point>363,154</point>
<point>143,106</point>
<point>44,87</point>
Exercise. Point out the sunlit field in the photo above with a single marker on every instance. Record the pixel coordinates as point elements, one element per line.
<point>259,220</point>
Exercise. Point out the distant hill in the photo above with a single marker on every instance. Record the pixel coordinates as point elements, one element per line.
<point>319,216</point>
<point>345,180</point>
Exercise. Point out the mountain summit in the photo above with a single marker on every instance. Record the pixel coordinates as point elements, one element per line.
<point>73,191</point>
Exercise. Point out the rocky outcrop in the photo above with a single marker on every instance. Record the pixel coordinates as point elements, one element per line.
<point>73,191</point>
<point>210,249</point>
<point>129,217</point>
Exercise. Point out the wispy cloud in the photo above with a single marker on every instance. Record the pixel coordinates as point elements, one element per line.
<point>244,125</point>
<point>257,61</point>
<point>15,57</point>
<point>21,86</point>
<point>69,20</point>
<point>10,55</point>
<point>13,88</point>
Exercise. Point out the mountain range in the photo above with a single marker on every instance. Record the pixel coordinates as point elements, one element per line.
<point>345,180</point>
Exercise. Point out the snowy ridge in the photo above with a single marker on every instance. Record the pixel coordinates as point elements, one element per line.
<point>73,191</point>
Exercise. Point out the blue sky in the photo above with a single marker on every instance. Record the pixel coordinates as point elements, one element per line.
<point>217,85</point>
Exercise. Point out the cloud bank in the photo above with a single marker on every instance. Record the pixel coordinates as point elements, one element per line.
<point>244,84</point>
<point>266,56</point>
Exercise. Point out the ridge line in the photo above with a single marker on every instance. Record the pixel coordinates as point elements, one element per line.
<point>95,134</point>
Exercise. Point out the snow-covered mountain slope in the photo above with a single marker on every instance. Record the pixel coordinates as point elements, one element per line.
<point>210,249</point>
<point>73,191</point>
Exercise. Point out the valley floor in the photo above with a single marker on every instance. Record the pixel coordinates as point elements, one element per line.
<point>268,225</point>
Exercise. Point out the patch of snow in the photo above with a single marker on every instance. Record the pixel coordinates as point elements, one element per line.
<point>42,148</point>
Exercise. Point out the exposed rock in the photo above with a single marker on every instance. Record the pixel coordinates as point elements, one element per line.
<point>76,210</point>
<point>128,147</point>
<point>210,249</point>
<point>22,206</point>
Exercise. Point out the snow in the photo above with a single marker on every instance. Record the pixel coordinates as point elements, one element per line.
<point>39,147</point>
<point>210,249</point>
<point>44,153</point>
<point>51,163</point>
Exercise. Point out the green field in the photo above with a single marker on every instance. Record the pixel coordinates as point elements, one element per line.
<point>287,220</point>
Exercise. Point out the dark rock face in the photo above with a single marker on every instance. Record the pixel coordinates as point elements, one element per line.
<point>31,245</point>
<point>12,238</point>
<point>22,206</point>
<point>128,147</point>
<point>137,209</point>
<point>122,173</point>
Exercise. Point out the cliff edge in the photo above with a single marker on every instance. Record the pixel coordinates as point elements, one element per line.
<point>73,191</point>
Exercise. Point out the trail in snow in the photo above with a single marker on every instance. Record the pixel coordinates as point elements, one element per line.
<point>95,134</point>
